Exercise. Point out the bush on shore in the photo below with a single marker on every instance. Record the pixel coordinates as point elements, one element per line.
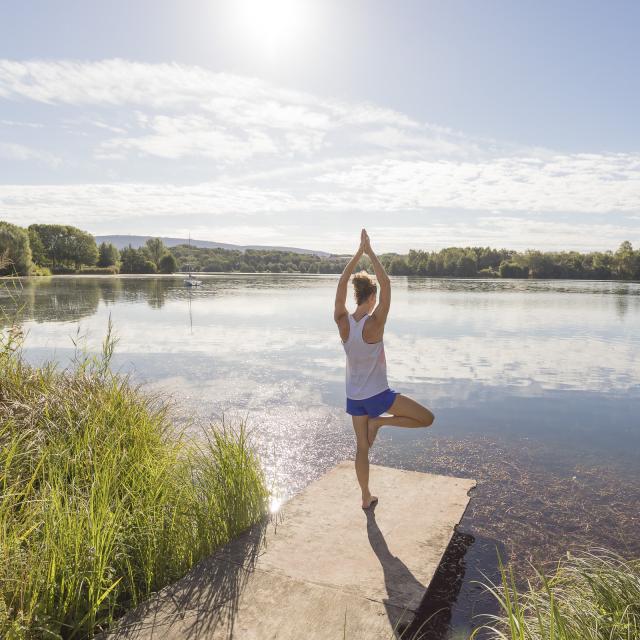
<point>592,595</point>
<point>103,501</point>
<point>63,270</point>
<point>37,270</point>
<point>97,271</point>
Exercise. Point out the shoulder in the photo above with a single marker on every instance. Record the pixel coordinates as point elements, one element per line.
<point>341,316</point>
<point>373,329</point>
<point>376,320</point>
<point>379,315</point>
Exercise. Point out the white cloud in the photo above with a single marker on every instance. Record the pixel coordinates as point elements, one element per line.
<point>15,151</point>
<point>107,127</point>
<point>177,137</point>
<point>16,123</point>
<point>228,108</point>
<point>594,183</point>
<point>256,148</point>
<point>94,202</point>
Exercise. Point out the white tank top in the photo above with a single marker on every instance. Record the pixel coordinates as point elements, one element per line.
<point>366,363</point>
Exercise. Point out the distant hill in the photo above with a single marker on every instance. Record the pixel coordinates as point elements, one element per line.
<point>137,241</point>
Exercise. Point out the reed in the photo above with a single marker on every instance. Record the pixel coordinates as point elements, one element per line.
<point>591,595</point>
<point>102,500</point>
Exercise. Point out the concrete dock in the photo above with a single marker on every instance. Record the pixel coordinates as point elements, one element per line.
<point>321,568</point>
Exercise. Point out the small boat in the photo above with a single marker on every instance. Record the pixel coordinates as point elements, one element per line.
<point>190,281</point>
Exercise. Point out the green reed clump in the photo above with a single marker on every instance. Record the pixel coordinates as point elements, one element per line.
<point>102,501</point>
<point>591,595</point>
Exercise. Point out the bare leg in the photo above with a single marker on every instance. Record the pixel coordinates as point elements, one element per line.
<point>362,458</point>
<point>406,412</point>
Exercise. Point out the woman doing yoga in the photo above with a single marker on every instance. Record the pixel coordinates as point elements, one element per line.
<point>368,392</point>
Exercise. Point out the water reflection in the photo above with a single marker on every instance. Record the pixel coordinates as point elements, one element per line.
<point>513,334</point>
<point>50,300</point>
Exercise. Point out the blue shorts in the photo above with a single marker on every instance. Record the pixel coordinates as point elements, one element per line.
<point>373,406</point>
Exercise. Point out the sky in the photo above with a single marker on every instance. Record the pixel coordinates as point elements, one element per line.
<point>298,122</point>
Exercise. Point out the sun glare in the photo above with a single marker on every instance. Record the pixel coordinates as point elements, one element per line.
<point>274,504</point>
<point>271,27</point>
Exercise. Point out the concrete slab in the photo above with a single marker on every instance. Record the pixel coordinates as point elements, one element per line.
<point>321,559</point>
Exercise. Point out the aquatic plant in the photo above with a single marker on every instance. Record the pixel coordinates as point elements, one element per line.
<point>102,499</point>
<point>591,595</point>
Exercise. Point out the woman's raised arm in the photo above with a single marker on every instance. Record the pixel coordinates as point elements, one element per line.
<point>384,301</point>
<point>340,308</point>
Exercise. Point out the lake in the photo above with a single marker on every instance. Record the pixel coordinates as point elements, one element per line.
<point>535,386</point>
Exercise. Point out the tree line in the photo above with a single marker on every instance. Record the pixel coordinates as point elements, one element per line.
<point>622,264</point>
<point>42,249</point>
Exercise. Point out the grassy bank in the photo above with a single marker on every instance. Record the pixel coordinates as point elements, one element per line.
<point>102,502</point>
<point>592,595</point>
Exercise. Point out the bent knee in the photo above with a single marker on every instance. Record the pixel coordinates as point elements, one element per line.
<point>427,418</point>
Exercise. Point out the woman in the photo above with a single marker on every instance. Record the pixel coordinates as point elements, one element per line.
<point>368,392</point>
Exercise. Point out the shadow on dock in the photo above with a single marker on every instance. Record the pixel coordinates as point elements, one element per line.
<point>434,616</point>
<point>207,598</point>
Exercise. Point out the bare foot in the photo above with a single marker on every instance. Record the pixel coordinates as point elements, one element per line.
<point>373,425</point>
<point>369,501</point>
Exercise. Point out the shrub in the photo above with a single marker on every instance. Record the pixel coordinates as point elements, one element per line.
<point>512,270</point>
<point>62,269</point>
<point>99,270</point>
<point>37,270</point>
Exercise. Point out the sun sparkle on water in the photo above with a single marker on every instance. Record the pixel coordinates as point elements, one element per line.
<point>274,504</point>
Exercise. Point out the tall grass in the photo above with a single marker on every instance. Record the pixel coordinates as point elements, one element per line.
<point>102,501</point>
<point>592,595</point>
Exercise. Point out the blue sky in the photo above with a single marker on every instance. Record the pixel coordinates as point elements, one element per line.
<point>296,122</point>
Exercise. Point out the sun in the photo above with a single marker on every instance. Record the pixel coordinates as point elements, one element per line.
<point>271,27</point>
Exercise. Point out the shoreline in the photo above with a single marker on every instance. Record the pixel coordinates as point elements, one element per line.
<point>302,274</point>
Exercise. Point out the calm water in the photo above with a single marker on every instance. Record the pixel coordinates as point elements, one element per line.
<point>535,387</point>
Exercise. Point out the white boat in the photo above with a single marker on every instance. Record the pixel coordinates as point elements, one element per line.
<point>190,281</point>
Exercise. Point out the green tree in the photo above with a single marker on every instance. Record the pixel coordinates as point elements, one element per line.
<point>52,239</point>
<point>601,265</point>
<point>108,255</point>
<point>81,247</point>
<point>627,261</point>
<point>148,266</point>
<point>512,270</point>
<point>398,267</point>
<point>540,264</point>
<point>168,264</point>
<point>38,254</point>
<point>64,244</point>
<point>156,249</point>
<point>215,264</point>
<point>466,267</point>
<point>135,261</point>
<point>14,247</point>
<point>432,268</point>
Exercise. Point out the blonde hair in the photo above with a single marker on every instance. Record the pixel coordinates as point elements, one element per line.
<point>364,285</point>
